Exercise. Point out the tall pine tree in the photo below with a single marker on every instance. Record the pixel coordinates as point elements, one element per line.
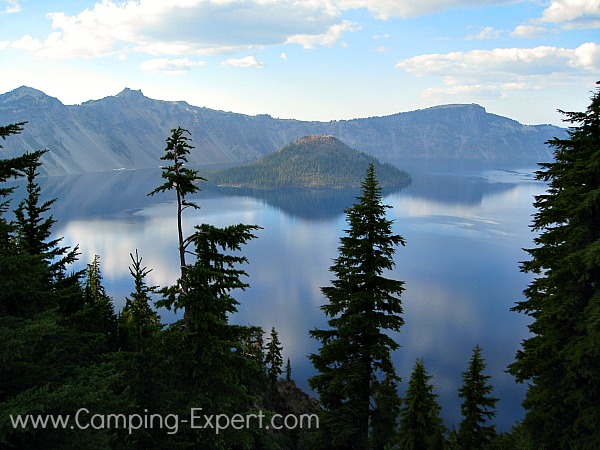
<point>273,358</point>
<point>421,427</point>
<point>362,305</point>
<point>212,369</point>
<point>32,264</point>
<point>478,407</point>
<point>561,359</point>
<point>11,168</point>
<point>183,181</point>
<point>139,321</point>
<point>97,314</point>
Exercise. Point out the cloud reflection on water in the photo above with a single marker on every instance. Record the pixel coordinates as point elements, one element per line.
<point>460,266</point>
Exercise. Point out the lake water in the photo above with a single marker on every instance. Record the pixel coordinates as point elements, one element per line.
<point>465,226</point>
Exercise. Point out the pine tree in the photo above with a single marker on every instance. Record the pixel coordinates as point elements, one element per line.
<point>32,264</point>
<point>97,314</point>
<point>212,369</point>
<point>11,168</point>
<point>385,413</point>
<point>253,345</point>
<point>477,407</point>
<point>180,179</point>
<point>288,371</point>
<point>273,358</point>
<point>138,318</point>
<point>19,292</point>
<point>561,359</point>
<point>356,352</point>
<point>420,426</point>
<point>34,229</point>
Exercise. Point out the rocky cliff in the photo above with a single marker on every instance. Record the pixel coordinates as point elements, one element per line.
<point>129,130</point>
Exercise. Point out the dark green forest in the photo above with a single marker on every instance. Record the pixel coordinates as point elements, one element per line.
<point>311,161</point>
<point>124,379</point>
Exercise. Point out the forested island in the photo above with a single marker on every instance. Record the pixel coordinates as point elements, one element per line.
<point>310,162</point>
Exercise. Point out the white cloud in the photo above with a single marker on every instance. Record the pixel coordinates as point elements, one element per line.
<point>333,35</point>
<point>10,7</point>
<point>187,27</point>
<point>573,13</point>
<point>505,61</point>
<point>530,31</point>
<point>381,49</point>
<point>248,61</point>
<point>384,9</point>
<point>283,56</point>
<point>484,34</point>
<point>485,72</point>
<point>171,66</point>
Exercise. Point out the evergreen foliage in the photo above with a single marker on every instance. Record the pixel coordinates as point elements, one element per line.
<point>180,179</point>
<point>97,315</point>
<point>34,231</point>
<point>288,371</point>
<point>561,359</point>
<point>12,168</point>
<point>139,321</point>
<point>30,262</point>
<point>312,161</point>
<point>478,407</point>
<point>273,358</point>
<point>355,351</point>
<point>420,426</point>
<point>62,347</point>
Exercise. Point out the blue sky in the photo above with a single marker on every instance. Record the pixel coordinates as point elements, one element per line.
<point>310,59</point>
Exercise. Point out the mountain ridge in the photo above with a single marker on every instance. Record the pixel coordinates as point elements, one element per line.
<point>128,130</point>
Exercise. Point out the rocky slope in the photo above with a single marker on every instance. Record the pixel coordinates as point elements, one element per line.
<point>129,130</point>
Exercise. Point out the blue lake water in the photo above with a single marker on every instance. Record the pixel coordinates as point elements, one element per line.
<point>465,226</point>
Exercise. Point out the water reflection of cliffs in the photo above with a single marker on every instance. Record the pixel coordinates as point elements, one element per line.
<point>310,204</point>
<point>119,193</point>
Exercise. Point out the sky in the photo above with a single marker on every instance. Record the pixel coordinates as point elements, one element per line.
<point>310,59</point>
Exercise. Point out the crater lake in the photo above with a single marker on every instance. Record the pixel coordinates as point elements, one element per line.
<point>465,225</point>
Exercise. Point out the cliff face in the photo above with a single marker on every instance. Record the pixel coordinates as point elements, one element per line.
<point>129,131</point>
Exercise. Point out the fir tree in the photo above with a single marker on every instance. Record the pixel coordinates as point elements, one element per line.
<point>561,359</point>
<point>33,265</point>
<point>211,369</point>
<point>138,318</point>
<point>420,426</point>
<point>253,345</point>
<point>11,168</point>
<point>180,179</point>
<point>97,314</point>
<point>288,371</point>
<point>273,358</point>
<point>478,407</point>
<point>34,228</point>
<point>385,413</point>
<point>13,300</point>
<point>362,304</point>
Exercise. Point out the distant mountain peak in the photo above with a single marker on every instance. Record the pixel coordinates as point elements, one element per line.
<point>456,106</point>
<point>26,91</point>
<point>27,97</point>
<point>130,92</point>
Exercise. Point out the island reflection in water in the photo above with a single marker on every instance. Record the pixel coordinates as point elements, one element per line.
<point>464,226</point>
